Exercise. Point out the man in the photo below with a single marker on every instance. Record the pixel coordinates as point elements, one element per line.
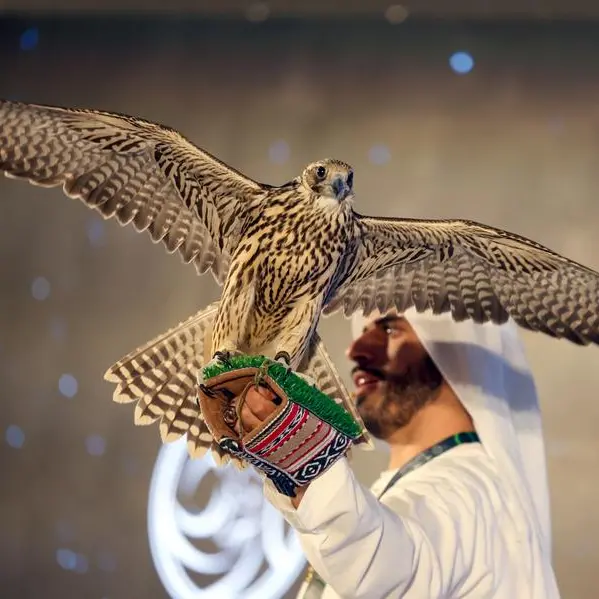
<point>468,520</point>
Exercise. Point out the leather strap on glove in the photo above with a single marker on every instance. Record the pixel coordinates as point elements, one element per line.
<point>305,435</point>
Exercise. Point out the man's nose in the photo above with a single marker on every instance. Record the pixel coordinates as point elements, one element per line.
<point>365,348</point>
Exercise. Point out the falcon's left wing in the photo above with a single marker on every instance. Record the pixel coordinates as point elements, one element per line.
<point>136,171</point>
<point>472,270</point>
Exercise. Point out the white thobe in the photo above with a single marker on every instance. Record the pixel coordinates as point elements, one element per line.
<point>451,528</point>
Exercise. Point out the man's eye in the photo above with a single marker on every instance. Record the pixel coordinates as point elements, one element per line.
<point>392,330</point>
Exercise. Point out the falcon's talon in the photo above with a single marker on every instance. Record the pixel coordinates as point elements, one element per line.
<point>207,391</point>
<point>284,359</point>
<point>283,356</point>
<point>224,357</point>
<point>202,388</point>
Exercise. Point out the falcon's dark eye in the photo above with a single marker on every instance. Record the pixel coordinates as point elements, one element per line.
<point>350,179</point>
<point>321,172</point>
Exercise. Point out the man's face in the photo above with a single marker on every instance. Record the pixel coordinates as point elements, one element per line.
<point>394,375</point>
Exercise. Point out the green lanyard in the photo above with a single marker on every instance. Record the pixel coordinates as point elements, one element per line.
<point>432,452</point>
<point>314,585</point>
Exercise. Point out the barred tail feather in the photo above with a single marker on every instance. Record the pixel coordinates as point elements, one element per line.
<point>161,377</point>
<point>187,335</point>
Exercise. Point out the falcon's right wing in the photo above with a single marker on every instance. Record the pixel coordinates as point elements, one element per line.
<point>471,270</point>
<point>135,170</point>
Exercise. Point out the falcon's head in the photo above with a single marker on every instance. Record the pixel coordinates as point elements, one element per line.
<point>329,178</point>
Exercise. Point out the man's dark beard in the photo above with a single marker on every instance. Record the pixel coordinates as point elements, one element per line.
<point>404,396</point>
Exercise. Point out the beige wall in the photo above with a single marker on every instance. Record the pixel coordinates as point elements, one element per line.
<point>513,144</point>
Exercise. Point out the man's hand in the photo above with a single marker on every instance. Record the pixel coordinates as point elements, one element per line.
<point>259,404</point>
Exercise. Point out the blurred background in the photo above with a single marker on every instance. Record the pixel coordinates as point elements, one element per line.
<point>481,110</point>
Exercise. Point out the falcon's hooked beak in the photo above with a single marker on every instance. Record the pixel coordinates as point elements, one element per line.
<point>342,187</point>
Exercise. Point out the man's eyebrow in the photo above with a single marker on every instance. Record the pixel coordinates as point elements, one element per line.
<point>389,319</point>
<point>383,321</point>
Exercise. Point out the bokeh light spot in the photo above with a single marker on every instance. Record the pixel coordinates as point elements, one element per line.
<point>96,232</point>
<point>279,151</point>
<point>95,445</point>
<point>257,12</point>
<point>15,436</point>
<point>40,288</point>
<point>396,13</point>
<point>461,62</point>
<point>58,329</point>
<point>67,385</point>
<point>379,154</point>
<point>66,559</point>
<point>29,39</point>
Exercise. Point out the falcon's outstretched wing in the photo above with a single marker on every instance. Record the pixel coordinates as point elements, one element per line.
<point>472,270</point>
<point>137,171</point>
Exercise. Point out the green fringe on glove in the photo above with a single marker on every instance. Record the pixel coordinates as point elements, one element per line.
<point>304,394</point>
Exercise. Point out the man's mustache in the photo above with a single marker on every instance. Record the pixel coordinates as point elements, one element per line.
<point>379,374</point>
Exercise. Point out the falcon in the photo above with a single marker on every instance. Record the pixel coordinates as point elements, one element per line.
<point>284,255</point>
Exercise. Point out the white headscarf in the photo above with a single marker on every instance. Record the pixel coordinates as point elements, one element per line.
<point>487,368</point>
